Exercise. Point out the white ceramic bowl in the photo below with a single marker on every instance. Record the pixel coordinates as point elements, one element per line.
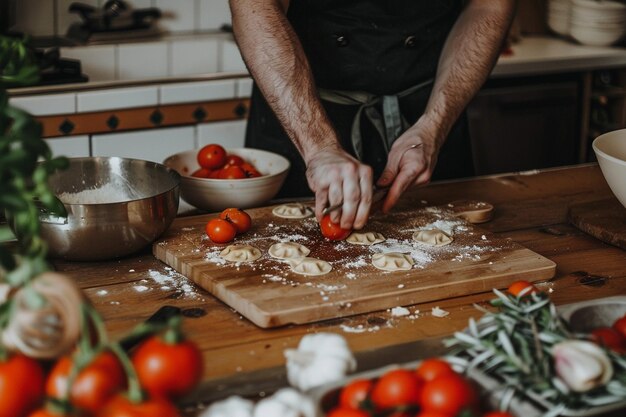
<point>595,36</point>
<point>217,194</point>
<point>610,149</point>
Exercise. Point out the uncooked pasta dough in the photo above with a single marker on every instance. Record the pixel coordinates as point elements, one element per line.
<point>392,261</point>
<point>288,250</point>
<point>432,237</point>
<point>365,238</point>
<point>310,266</point>
<point>293,211</point>
<point>240,253</point>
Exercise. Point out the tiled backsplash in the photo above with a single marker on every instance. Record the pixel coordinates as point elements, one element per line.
<point>51,17</point>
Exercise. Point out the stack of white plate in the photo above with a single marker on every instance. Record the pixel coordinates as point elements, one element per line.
<point>597,22</point>
<point>559,16</point>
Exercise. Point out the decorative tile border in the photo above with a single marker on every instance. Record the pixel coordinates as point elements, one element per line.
<point>143,118</point>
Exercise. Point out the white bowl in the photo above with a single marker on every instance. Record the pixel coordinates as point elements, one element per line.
<point>594,36</point>
<point>610,149</point>
<point>217,194</point>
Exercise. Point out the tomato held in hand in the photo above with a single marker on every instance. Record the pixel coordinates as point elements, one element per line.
<point>94,385</point>
<point>21,386</point>
<point>517,287</point>
<point>399,387</point>
<point>232,172</point>
<point>332,230</point>
<point>609,338</point>
<point>449,394</point>
<point>354,393</point>
<point>212,157</point>
<point>220,231</point>
<point>120,406</point>
<point>620,326</point>
<point>168,370</point>
<point>432,368</point>
<point>239,218</point>
<point>346,412</point>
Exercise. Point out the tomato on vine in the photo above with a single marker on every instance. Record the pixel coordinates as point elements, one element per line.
<point>449,394</point>
<point>21,385</point>
<point>239,218</point>
<point>399,387</point>
<point>92,387</point>
<point>168,366</point>
<point>432,368</point>
<point>120,406</point>
<point>332,230</point>
<point>354,393</point>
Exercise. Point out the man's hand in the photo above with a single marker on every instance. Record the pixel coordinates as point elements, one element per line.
<point>411,161</point>
<point>338,178</point>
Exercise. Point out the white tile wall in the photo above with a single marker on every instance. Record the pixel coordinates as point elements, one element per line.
<point>229,134</point>
<point>151,145</point>
<point>244,87</point>
<point>117,98</point>
<point>35,17</point>
<point>212,14</point>
<point>142,60</point>
<point>195,56</point>
<point>177,15</point>
<point>46,104</point>
<point>231,58</point>
<point>98,62</point>
<point>190,92</point>
<point>63,17</point>
<point>70,146</point>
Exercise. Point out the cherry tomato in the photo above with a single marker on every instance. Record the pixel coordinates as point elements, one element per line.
<point>120,406</point>
<point>220,231</point>
<point>354,393</point>
<point>399,387</point>
<point>212,157</point>
<point>426,413</point>
<point>250,170</point>
<point>234,160</point>
<point>94,385</point>
<point>232,172</point>
<point>21,386</point>
<point>432,368</point>
<point>215,174</point>
<point>44,412</point>
<point>202,173</point>
<point>609,338</point>
<point>346,412</point>
<point>498,414</point>
<point>168,370</point>
<point>449,394</point>
<point>332,230</point>
<point>237,217</point>
<point>517,287</point>
<point>620,326</point>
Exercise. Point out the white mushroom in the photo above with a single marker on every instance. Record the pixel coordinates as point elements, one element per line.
<point>286,402</point>
<point>581,365</point>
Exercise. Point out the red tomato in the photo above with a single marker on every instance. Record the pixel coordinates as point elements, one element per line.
<point>517,287</point>
<point>94,385</point>
<point>212,157</point>
<point>346,412</point>
<point>332,230</point>
<point>425,413</point>
<point>234,160</point>
<point>609,338</point>
<point>620,326</point>
<point>215,174</point>
<point>498,414</point>
<point>432,368</point>
<point>43,412</point>
<point>449,394</point>
<point>250,170</point>
<point>220,231</point>
<point>354,393</point>
<point>238,217</point>
<point>21,386</point>
<point>120,406</point>
<point>232,172</point>
<point>202,173</point>
<point>168,370</point>
<point>397,388</point>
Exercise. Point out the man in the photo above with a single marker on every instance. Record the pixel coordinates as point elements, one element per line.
<point>365,89</point>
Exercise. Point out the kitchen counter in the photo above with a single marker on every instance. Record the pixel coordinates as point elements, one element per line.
<point>531,209</point>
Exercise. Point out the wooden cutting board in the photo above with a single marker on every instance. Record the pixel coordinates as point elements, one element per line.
<point>269,294</point>
<point>602,219</point>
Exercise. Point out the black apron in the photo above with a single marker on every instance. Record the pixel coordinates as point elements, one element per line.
<point>381,47</point>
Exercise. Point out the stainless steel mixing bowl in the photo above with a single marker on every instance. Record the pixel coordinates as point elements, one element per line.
<point>104,225</point>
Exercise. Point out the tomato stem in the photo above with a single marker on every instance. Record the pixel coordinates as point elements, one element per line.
<point>173,335</point>
<point>135,394</point>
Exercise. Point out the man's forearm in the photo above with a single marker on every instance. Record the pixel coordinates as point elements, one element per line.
<point>469,54</point>
<point>276,60</point>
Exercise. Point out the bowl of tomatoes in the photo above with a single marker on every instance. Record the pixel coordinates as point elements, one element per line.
<point>214,178</point>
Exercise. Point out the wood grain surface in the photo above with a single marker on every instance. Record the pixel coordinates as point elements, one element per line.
<point>269,294</point>
<point>603,219</point>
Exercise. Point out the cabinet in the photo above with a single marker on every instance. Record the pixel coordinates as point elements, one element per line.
<point>526,123</point>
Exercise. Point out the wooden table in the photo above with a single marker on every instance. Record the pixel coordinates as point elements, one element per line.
<point>531,209</point>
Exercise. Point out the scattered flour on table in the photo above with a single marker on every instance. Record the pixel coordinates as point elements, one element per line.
<point>359,328</point>
<point>400,312</point>
<point>141,288</point>
<point>173,280</point>
<point>439,312</point>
